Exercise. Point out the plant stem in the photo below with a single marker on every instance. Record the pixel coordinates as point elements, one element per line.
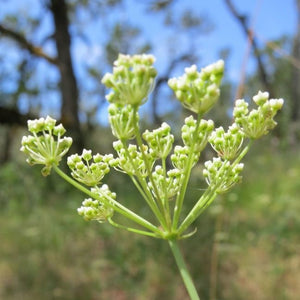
<point>110,203</point>
<point>148,167</point>
<point>143,189</point>
<point>184,183</point>
<point>209,195</point>
<point>187,279</point>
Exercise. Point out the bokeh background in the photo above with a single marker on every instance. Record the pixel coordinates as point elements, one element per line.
<point>53,54</point>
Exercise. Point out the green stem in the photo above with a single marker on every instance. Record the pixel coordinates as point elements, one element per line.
<point>166,199</point>
<point>135,230</point>
<point>143,188</point>
<point>110,203</point>
<point>187,279</point>
<point>187,173</point>
<point>209,195</point>
<point>148,167</point>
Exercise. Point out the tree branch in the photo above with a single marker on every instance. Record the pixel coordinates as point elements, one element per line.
<point>242,19</point>
<point>23,42</point>
<point>11,116</point>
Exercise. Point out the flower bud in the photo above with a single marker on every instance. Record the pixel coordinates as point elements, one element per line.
<point>221,174</point>
<point>46,146</point>
<point>89,169</point>
<point>122,121</point>
<point>198,92</point>
<point>94,210</point>
<point>132,79</point>
<point>160,140</point>
<point>227,144</point>
<point>196,136</point>
<point>260,121</point>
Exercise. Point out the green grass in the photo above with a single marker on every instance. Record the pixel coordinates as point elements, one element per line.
<point>48,252</point>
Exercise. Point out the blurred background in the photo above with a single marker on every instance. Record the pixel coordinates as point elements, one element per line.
<point>53,54</point>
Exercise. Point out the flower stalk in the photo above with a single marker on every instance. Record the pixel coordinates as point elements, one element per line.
<point>185,274</point>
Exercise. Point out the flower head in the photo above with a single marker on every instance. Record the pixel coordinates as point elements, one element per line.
<point>196,136</point>
<point>95,209</point>
<point>130,160</point>
<point>260,121</point>
<point>221,174</point>
<point>132,79</point>
<point>160,140</point>
<point>167,185</point>
<point>227,144</point>
<point>45,146</point>
<point>198,91</point>
<point>89,169</point>
<point>122,120</point>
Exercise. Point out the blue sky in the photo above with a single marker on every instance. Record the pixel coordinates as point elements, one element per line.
<point>270,19</point>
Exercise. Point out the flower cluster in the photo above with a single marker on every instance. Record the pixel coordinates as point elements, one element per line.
<point>46,146</point>
<point>166,184</point>
<point>199,91</point>
<point>89,169</point>
<point>160,140</point>
<point>96,209</point>
<point>122,120</point>
<point>180,157</point>
<point>227,144</point>
<point>222,175</point>
<point>132,79</point>
<point>194,135</point>
<point>260,121</point>
<point>131,161</point>
<point>146,158</point>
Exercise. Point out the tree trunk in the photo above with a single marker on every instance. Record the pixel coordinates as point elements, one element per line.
<point>69,90</point>
<point>295,82</point>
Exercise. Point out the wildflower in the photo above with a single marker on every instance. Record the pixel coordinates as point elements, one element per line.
<point>198,91</point>
<point>45,146</point>
<point>89,169</point>
<point>160,140</point>
<point>132,79</point>
<point>227,144</point>
<point>95,209</point>
<point>122,120</point>
<point>194,136</point>
<point>221,174</point>
<point>260,121</point>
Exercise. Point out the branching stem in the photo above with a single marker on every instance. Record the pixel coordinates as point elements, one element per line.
<point>110,203</point>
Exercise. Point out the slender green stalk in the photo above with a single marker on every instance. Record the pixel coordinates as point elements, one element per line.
<point>143,189</point>
<point>209,195</point>
<point>186,277</point>
<point>187,173</point>
<point>111,203</point>
<point>199,207</point>
<point>166,200</point>
<point>138,231</point>
<point>148,167</point>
